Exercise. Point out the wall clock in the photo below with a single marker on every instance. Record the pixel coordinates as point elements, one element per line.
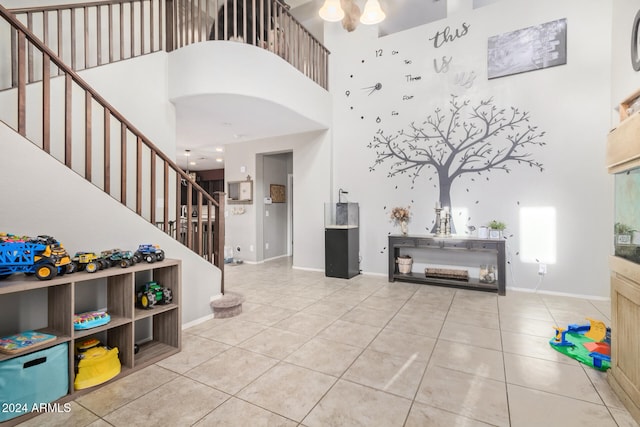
<point>380,83</point>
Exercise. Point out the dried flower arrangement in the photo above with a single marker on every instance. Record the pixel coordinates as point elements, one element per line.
<point>400,214</point>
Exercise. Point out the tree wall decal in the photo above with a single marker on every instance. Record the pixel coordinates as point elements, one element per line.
<point>469,139</point>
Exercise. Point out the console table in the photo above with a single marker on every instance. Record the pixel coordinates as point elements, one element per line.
<point>454,246</point>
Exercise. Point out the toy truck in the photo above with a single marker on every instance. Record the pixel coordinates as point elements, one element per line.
<point>89,262</point>
<point>42,256</point>
<point>119,257</point>
<point>149,253</point>
<point>152,293</point>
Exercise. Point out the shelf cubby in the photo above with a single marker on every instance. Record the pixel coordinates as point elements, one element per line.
<point>27,303</point>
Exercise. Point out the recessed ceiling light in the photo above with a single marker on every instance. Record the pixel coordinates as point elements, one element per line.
<point>219,149</point>
<point>219,160</point>
<point>192,163</point>
<point>187,153</point>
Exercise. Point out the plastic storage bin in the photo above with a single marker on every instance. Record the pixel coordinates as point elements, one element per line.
<point>33,379</point>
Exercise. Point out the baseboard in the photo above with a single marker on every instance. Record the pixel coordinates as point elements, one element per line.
<point>197,321</point>
<point>559,294</point>
<point>319,270</point>
<point>368,273</point>
<point>273,258</point>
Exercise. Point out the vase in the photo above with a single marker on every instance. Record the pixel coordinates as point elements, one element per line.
<point>404,227</point>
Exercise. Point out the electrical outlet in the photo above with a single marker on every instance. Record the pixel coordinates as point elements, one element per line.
<point>542,269</point>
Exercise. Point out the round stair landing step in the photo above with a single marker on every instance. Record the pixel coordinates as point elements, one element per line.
<point>229,305</point>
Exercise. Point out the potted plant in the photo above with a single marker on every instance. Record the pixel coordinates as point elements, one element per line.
<point>623,233</point>
<point>496,228</point>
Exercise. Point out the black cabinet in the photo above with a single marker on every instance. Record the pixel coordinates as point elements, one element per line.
<point>341,252</point>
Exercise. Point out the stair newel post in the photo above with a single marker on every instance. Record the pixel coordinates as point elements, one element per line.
<point>218,236</point>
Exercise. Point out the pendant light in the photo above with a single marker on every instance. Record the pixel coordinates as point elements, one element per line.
<point>331,11</point>
<point>372,14</point>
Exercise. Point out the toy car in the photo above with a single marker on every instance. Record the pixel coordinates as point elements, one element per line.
<point>119,257</point>
<point>151,294</point>
<point>149,253</point>
<point>89,262</point>
<point>42,256</point>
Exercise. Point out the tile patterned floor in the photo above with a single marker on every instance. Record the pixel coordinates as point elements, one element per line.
<point>313,351</point>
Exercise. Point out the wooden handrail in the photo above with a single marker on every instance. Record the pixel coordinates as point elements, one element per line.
<point>139,22</point>
<point>19,10</point>
<point>24,41</point>
<point>147,26</point>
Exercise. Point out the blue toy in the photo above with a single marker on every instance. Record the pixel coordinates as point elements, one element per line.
<point>588,343</point>
<point>90,319</point>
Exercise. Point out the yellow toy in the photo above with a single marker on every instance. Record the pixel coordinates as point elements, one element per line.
<point>597,331</point>
<point>95,364</point>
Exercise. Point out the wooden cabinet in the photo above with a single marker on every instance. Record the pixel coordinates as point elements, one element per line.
<point>623,159</point>
<point>453,247</point>
<point>624,375</point>
<point>49,306</point>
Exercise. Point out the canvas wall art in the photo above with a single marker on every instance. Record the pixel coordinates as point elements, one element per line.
<point>527,49</point>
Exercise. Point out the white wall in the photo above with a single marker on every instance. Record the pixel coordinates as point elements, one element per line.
<point>42,196</point>
<point>138,88</point>
<point>253,72</point>
<point>570,103</point>
<point>218,67</point>
<point>311,171</point>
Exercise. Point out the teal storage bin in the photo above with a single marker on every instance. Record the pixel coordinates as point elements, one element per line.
<point>33,379</point>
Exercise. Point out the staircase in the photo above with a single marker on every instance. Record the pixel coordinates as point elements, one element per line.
<point>139,175</point>
<point>43,51</point>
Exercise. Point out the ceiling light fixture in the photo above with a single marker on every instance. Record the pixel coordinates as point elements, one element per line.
<point>372,14</point>
<point>187,153</point>
<point>331,11</point>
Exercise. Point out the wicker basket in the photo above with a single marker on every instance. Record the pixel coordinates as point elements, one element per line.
<point>404,264</point>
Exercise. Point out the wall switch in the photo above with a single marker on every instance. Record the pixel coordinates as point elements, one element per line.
<point>266,213</point>
<point>542,269</point>
<point>266,246</point>
<point>250,248</point>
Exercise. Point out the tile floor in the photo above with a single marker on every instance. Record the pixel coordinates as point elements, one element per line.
<point>316,352</point>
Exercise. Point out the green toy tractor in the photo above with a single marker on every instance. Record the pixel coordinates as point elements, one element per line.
<point>151,294</point>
